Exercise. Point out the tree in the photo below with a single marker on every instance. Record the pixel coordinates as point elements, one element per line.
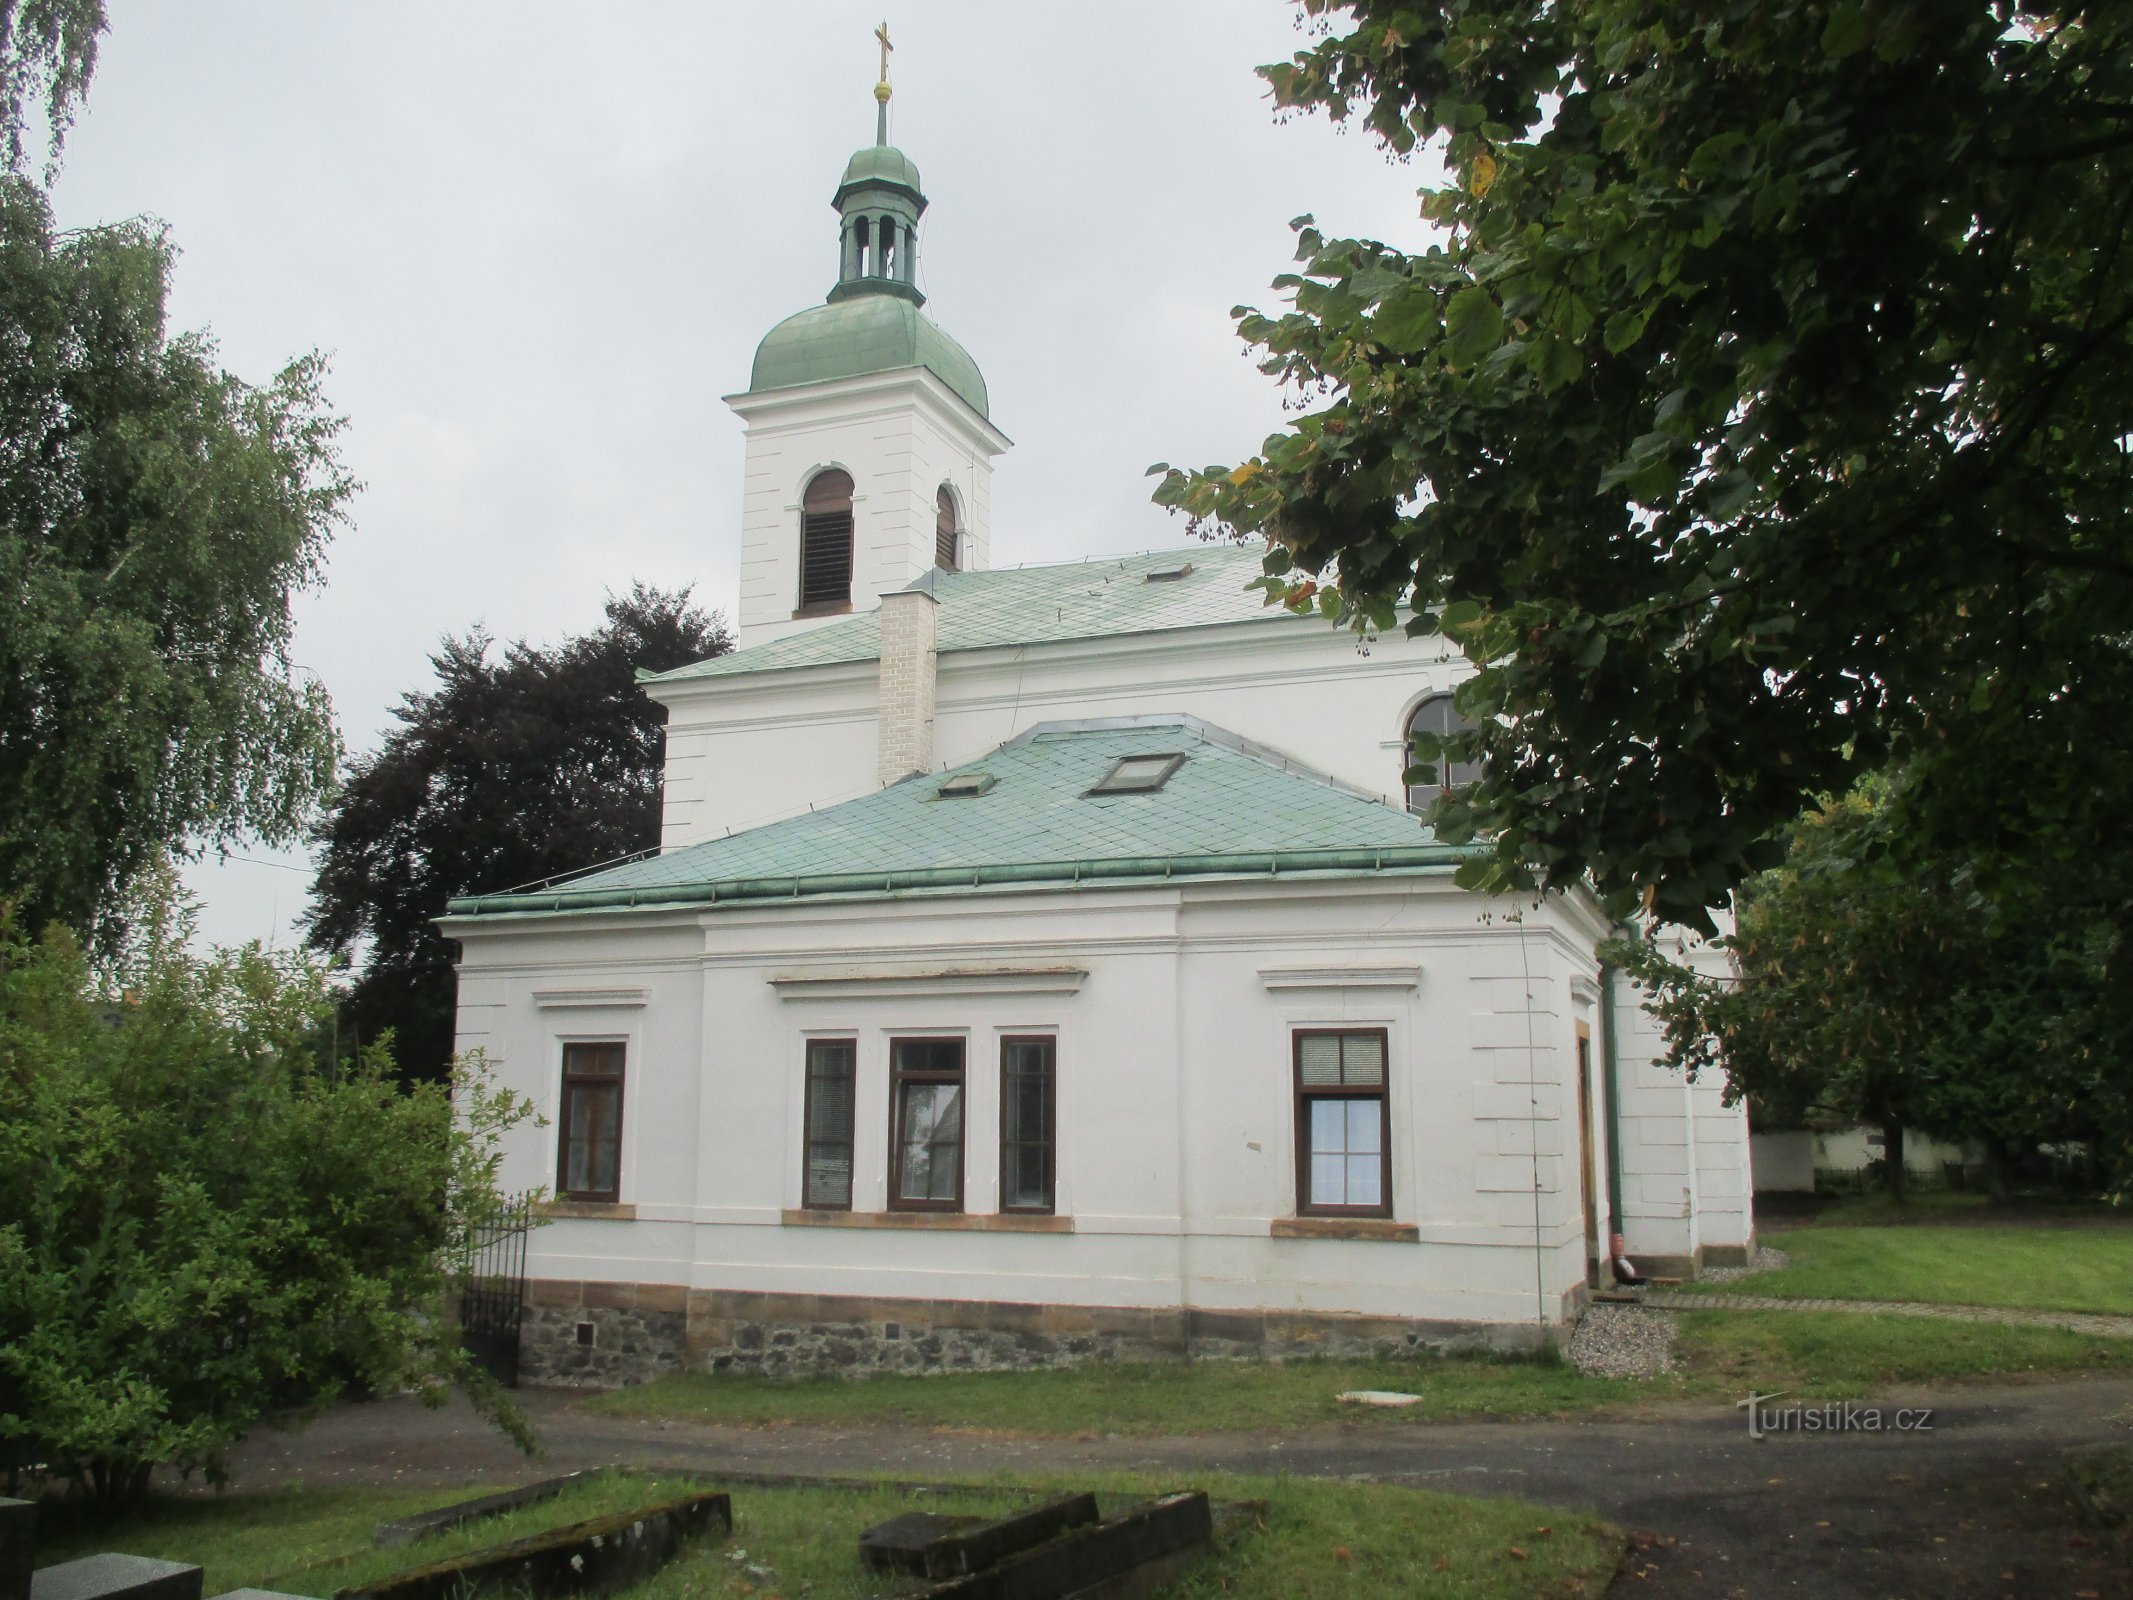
<point>1904,997</point>
<point>156,516</point>
<point>204,1219</point>
<point>47,54</point>
<point>1764,418</point>
<point>507,772</point>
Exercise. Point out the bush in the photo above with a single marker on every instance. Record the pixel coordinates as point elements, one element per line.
<point>207,1218</point>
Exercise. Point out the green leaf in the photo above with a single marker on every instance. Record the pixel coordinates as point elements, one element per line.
<point>1473,325</point>
<point>1625,328</point>
<point>1850,29</point>
<point>1407,321</point>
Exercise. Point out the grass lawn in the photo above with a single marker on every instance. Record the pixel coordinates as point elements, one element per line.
<point>1830,1353</point>
<point>1845,1354</point>
<point>1973,1264</point>
<point>1316,1539</point>
<point>1128,1399</point>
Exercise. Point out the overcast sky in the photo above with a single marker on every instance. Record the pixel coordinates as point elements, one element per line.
<point>538,241</point>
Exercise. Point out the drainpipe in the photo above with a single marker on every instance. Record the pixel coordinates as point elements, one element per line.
<point>1610,1078</point>
<point>904,714</point>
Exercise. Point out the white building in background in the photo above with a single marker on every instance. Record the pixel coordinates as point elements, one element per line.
<point>1045,963</point>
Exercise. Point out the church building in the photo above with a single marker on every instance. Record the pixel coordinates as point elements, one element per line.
<point>1047,963</point>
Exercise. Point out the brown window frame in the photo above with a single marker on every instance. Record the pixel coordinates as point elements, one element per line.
<point>808,1141</point>
<point>1303,1099</point>
<point>898,1077</point>
<point>1051,1120</point>
<point>609,1080</point>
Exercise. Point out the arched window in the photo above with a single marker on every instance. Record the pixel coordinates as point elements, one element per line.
<point>1435,715</point>
<point>944,530</point>
<point>826,540</point>
<point>885,259</point>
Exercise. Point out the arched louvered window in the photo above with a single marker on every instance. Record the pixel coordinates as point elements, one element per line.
<point>945,532</point>
<point>1435,715</point>
<point>826,540</point>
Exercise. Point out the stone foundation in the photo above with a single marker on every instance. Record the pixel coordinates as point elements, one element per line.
<point>636,1333</point>
<point>640,1332</point>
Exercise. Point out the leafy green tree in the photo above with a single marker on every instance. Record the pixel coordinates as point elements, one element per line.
<point>156,516</point>
<point>1763,417</point>
<point>511,770</point>
<point>1905,998</point>
<point>204,1220</point>
<point>47,54</point>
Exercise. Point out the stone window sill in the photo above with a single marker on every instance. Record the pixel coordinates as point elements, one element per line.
<point>587,1210</point>
<point>823,608</point>
<point>1344,1228</point>
<point>931,1221</point>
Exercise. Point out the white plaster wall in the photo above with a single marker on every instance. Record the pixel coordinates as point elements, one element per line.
<point>1685,1166</point>
<point>901,436</point>
<point>1176,1115</point>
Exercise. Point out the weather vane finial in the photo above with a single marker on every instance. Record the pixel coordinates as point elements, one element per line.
<point>882,91</point>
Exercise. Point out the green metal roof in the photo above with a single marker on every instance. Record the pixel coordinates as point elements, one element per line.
<point>1232,809</point>
<point>848,338</point>
<point>1036,605</point>
<point>880,163</point>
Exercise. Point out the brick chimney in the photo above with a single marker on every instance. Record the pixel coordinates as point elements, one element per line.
<point>904,713</point>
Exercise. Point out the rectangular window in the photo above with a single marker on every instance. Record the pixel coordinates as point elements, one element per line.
<point>589,1162</point>
<point>926,1124</point>
<point>1343,1125</point>
<point>1027,1101</point>
<point>830,1065</point>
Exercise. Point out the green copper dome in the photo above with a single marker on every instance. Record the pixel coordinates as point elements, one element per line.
<point>864,333</point>
<point>880,163</point>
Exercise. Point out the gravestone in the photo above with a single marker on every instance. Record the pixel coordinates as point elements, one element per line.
<point>18,1547</point>
<point>116,1577</point>
<point>901,1543</point>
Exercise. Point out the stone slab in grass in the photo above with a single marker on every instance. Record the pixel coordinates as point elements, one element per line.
<point>259,1594</point>
<point>420,1526</point>
<point>18,1547</point>
<point>929,1545</point>
<point>1126,1557</point>
<point>901,1543</point>
<point>585,1558</point>
<point>116,1577</point>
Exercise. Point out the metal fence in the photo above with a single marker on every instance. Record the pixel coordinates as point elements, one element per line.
<point>492,1294</point>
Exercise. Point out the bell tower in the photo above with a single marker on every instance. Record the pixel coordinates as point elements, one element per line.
<point>869,440</point>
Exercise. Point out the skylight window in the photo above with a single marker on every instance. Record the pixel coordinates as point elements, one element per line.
<point>1139,774</point>
<point>965,785</point>
<point>1168,574</point>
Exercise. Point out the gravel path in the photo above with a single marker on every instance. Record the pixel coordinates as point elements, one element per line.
<point>1623,1342</point>
<point>2073,1321</point>
<point>1768,1258</point>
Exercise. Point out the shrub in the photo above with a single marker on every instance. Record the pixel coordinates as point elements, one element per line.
<point>205,1218</point>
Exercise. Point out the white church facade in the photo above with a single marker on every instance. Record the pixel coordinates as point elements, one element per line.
<point>1047,963</point>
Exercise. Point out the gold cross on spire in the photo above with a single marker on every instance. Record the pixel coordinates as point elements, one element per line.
<point>882,91</point>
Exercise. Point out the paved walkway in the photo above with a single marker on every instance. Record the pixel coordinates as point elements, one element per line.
<point>2103,1327</point>
<point>1969,1507</point>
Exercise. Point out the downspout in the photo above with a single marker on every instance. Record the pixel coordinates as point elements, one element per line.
<point>1611,1082</point>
